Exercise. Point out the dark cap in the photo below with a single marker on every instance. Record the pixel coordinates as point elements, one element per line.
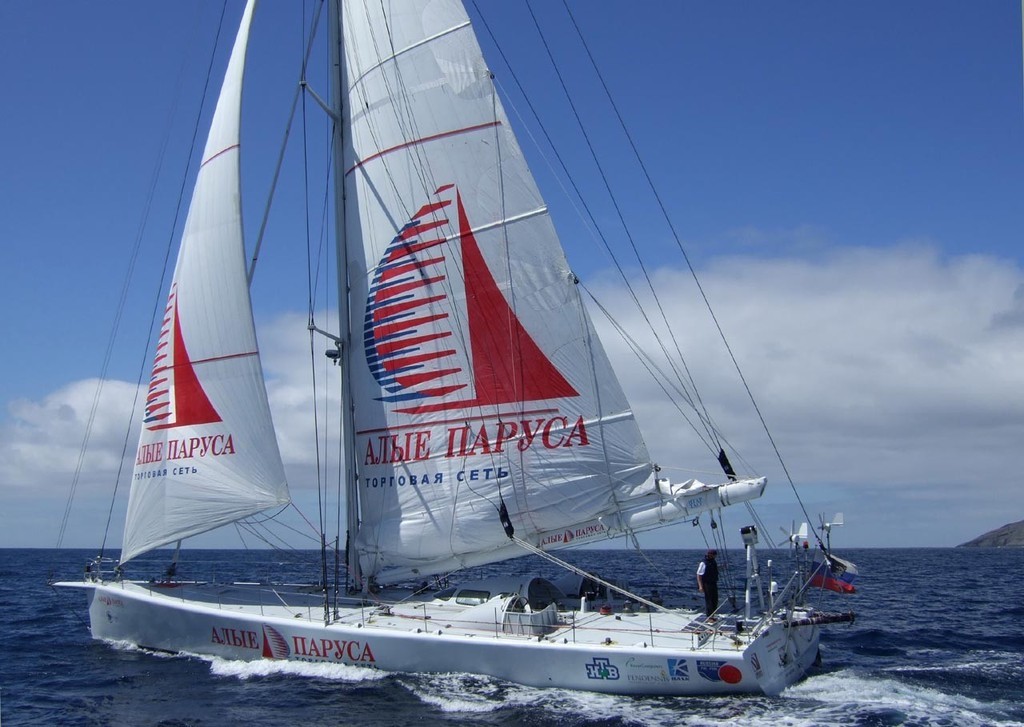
<point>712,552</point>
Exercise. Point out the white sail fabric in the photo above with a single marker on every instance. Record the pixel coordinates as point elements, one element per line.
<point>208,454</point>
<point>478,379</point>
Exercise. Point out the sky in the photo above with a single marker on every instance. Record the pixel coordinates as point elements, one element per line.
<point>845,177</point>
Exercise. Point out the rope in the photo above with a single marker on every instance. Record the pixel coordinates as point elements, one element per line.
<point>529,547</point>
<point>119,311</point>
<point>157,302</point>
<point>693,272</point>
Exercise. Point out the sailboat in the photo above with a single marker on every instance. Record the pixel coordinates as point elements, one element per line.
<point>482,418</point>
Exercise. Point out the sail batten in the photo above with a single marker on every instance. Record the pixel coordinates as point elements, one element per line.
<point>423,140</point>
<point>207,454</point>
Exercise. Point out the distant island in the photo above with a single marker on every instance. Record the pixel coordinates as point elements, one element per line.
<point>1008,536</point>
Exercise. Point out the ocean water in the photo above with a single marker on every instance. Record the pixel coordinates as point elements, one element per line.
<point>937,641</point>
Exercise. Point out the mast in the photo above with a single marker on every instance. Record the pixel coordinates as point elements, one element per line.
<point>337,74</point>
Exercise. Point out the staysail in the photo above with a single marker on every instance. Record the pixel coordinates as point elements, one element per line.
<point>208,454</point>
<point>478,381</point>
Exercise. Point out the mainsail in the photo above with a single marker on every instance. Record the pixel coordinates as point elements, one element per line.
<point>208,454</point>
<point>479,384</point>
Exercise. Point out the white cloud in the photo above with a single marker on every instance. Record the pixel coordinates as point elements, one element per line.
<point>892,380</point>
<point>893,377</point>
<point>43,440</point>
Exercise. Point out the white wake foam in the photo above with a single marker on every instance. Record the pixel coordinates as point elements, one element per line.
<point>271,667</point>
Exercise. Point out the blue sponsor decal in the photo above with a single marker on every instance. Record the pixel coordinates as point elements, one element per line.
<point>719,671</point>
<point>601,668</point>
<point>678,670</point>
<point>708,669</point>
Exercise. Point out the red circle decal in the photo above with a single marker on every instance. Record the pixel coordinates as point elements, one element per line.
<point>730,674</point>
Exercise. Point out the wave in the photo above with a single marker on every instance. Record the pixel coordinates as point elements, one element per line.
<point>270,667</point>
<point>849,696</point>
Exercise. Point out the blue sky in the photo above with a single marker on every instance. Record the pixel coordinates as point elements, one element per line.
<point>847,177</point>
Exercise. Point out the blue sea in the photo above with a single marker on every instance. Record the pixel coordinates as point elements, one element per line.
<point>937,641</point>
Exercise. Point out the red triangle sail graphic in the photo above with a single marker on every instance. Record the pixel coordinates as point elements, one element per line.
<point>189,403</point>
<point>508,365</point>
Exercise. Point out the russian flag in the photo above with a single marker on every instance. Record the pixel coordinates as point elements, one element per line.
<point>833,573</point>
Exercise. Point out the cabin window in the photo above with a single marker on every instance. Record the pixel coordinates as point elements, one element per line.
<point>446,594</point>
<point>472,598</point>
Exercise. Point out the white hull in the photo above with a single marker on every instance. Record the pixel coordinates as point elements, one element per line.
<point>657,653</point>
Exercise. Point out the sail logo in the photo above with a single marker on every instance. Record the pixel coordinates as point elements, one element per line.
<point>589,530</point>
<point>678,670</point>
<point>176,397</point>
<point>505,434</point>
<point>414,338</point>
<point>601,668</point>
<point>275,646</point>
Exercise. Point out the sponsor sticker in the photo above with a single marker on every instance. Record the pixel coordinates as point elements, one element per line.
<point>601,668</point>
<point>713,670</point>
<point>678,670</point>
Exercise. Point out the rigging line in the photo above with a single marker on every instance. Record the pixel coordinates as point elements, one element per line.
<point>324,223</point>
<point>617,207</point>
<point>323,255</point>
<point>650,183</point>
<point>122,299</point>
<point>402,107</point>
<point>524,510</point>
<point>650,563</point>
<point>678,386</point>
<point>509,327</point>
<point>313,279</point>
<point>693,272</point>
<point>561,162</point>
<point>321,488</point>
<point>303,516</point>
<point>530,547</point>
<point>263,534</point>
<point>654,372</point>
<point>761,527</point>
<point>157,305</point>
<point>718,535</point>
<point>575,187</point>
<point>283,544</point>
<point>284,144</point>
<point>320,495</point>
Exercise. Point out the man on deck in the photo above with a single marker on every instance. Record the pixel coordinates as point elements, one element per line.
<point>707,582</point>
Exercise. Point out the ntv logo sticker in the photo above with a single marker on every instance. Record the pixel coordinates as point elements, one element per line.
<point>601,668</point>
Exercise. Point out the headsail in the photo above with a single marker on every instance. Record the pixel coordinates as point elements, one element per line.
<point>208,454</point>
<point>478,380</point>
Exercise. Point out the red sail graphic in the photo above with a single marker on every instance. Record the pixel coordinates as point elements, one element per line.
<point>508,365</point>
<point>176,398</point>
